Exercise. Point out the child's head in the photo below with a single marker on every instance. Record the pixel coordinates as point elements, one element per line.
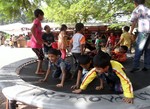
<point>79,27</point>
<point>101,62</point>
<point>123,49</point>
<point>38,13</point>
<point>84,61</point>
<point>47,28</point>
<point>126,28</point>
<point>53,55</point>
<point>63,27</point>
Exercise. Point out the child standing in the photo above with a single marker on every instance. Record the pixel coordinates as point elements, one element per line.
<point>125,38</point>
<point>36,39</point>
<point>58,67</point>
<point>48,39</point>
<point>77,43</point>
<point>62,41</point>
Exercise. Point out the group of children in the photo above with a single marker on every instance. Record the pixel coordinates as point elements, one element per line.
<point>100,66</point>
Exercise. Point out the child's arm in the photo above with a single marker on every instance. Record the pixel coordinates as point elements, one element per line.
<point>78,80</point>
<point>46,76</point>
<point>126,86</point>
<point>82,45</point>
<point>91,75</point>
<point>61,84</point>
<point>101,86</point>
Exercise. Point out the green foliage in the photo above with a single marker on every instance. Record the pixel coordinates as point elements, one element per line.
<point>65,11</point>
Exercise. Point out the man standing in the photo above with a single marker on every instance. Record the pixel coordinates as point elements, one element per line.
<point>141,16</point>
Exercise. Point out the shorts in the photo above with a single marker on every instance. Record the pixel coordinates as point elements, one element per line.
<point>39,53</point>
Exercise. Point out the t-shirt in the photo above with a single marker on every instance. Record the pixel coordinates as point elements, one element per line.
<point>59,66</point>
<point>117,74</point>
<point>77,40</point>
<point>126,39</point>
<point>142,15</point>
<point>49,38</point>
<point>38,32</point>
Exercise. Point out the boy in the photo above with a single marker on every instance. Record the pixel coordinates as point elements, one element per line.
<point>114,75</point>
<point>57,67</point>
<point>48,39</point>
<point>86,65</point>
<point>120,55</point>
<point>125,38</point>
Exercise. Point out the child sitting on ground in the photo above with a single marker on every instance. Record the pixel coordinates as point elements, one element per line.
<point>58,67</point>
<point>114,75</point>
<point>120,55</point>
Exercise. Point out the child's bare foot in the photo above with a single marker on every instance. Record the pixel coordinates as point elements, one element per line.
<point>40,72</point>
<point>59,85</point>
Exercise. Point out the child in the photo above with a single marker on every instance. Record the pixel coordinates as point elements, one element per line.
<point>48,38</point>
<point>121,55</point>
<point>114,75</point>
<point>59,68</point>
<point>62,41</point>
<point>77,43</point>
<point>85,66</point>
<point>89,76</point>
<point>125,38</point>
<point>36,39</point>
<point>98,42</point>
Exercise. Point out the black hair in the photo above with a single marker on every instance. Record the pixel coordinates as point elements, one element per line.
<point>139,1</point>
<point>101,60</point>
<point>38,12</point>
<point>45,27</point>
<point>53,51</point>
<point>63,27</point>
<point>126,28</point>
<point>79,26</point>
<point>124,47</point>
<point>84,59</point>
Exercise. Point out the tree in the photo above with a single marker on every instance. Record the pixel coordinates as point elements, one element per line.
<point>66,11</point>
<point>18,10</point>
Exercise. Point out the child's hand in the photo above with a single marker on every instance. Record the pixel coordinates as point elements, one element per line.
<point>75,86</point>
<point>59,85</point>
<point>77,91</point>
<point>128,100</point>
<point>99,87</point>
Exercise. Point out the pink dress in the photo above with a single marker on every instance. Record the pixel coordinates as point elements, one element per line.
<point>38,32</point>
<point>62,41</point>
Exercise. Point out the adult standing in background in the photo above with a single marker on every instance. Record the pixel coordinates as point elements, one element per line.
<point>141,15</point>
<point>62,41</point>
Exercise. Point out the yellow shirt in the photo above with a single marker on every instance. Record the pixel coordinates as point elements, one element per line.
<point>118,69</point>
<point>126,39</point>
